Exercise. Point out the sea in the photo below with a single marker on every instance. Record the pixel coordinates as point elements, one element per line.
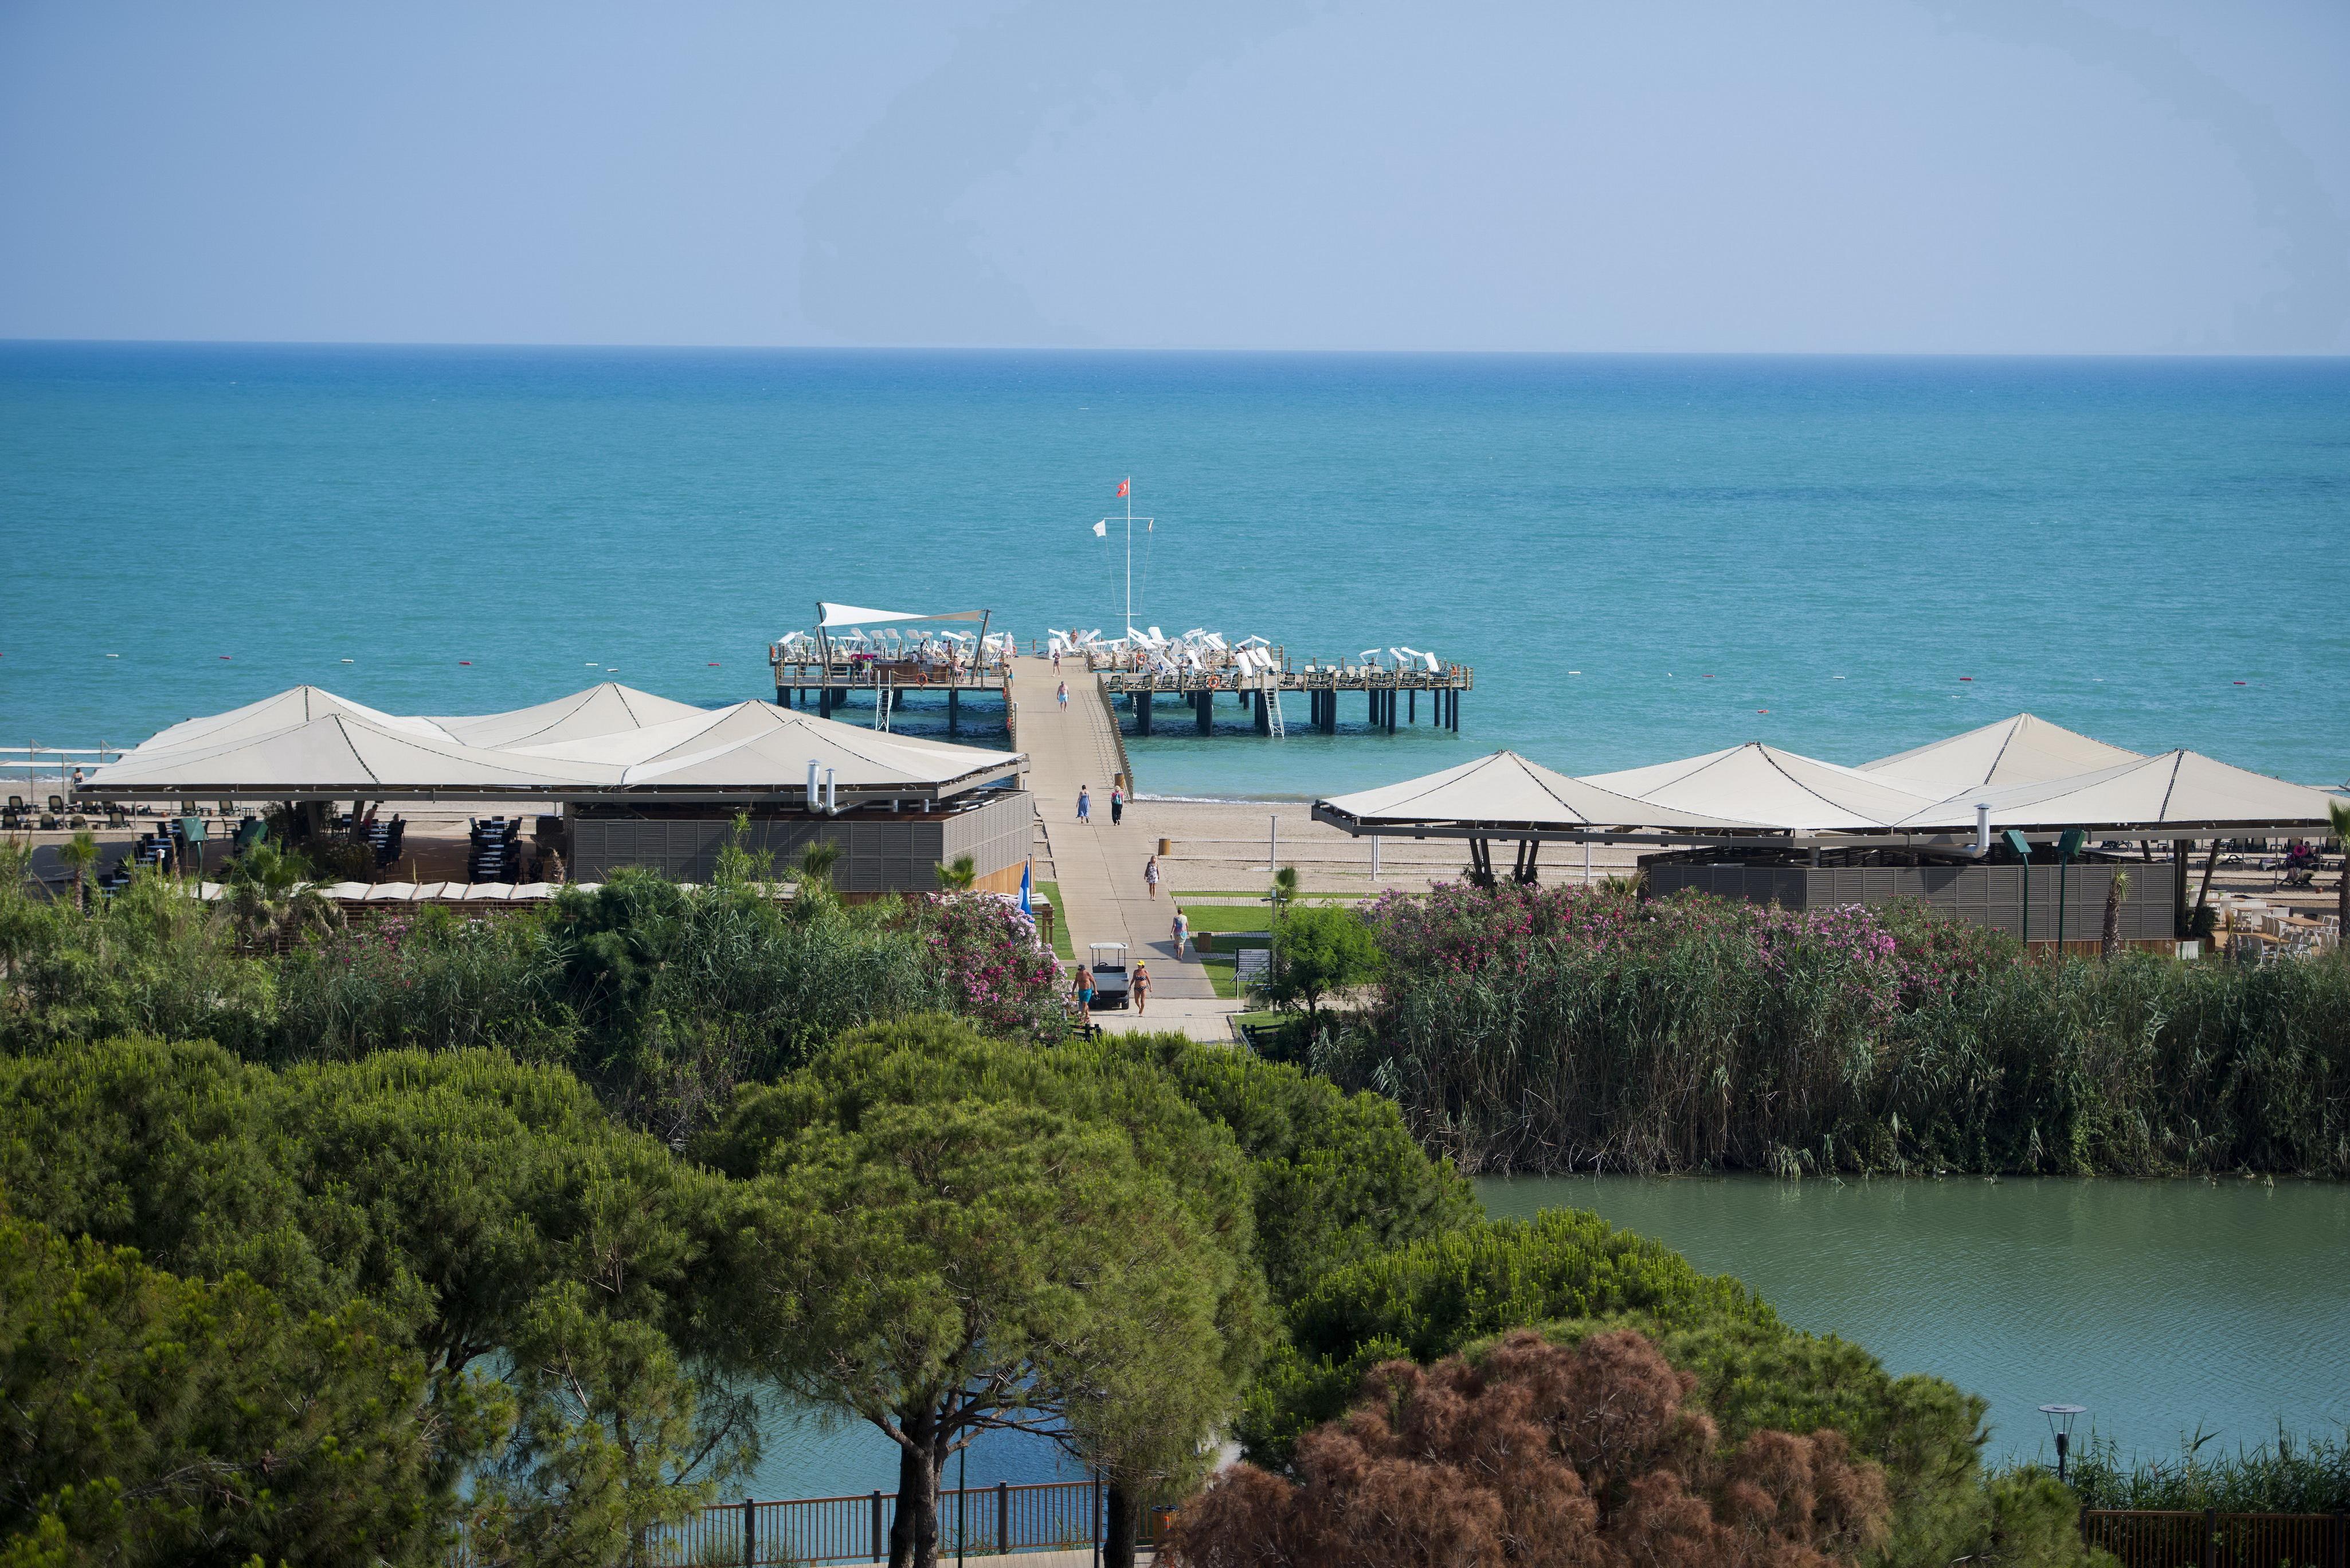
<point>1642,557</point>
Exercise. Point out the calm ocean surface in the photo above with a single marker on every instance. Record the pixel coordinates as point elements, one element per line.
<point>2111,543</point>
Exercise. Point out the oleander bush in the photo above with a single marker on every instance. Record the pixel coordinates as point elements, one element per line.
<point>1550,1029</point>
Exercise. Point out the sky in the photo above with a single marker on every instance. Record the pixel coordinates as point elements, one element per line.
<point>1830,176</point>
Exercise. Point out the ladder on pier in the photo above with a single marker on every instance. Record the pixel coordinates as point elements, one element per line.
<point>1271,690</point>
<point>881,705</point>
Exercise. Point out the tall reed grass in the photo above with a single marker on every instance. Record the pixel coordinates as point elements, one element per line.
<point>1547,1029</point>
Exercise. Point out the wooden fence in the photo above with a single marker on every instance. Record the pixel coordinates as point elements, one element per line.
<point>2146,1538</point>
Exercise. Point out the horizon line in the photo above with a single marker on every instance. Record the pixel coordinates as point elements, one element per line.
<point>1233,350</point>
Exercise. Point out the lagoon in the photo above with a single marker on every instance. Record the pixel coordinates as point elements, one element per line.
<point>2165,1307</point>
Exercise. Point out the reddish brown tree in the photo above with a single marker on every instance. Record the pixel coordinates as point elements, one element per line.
<point>1541,1455</point>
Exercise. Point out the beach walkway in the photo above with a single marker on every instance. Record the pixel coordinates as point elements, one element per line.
<point>1098,867</point>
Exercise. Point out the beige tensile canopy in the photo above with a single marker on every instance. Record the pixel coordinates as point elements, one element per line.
<point>334,755</point>
<point>722,747</point>
<point>1505,795</point>
<point>604,710</point>
<point>605,743</point>
<point>2175,795</point>
<point>272,715</point>
<point>1759,783</point>
<point>2022,750</point>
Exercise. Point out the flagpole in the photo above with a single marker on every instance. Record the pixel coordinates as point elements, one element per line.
<point>1129,488</point>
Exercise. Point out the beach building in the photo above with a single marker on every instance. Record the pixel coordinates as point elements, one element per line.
<point>2021,825</point>
<point>615,777</point>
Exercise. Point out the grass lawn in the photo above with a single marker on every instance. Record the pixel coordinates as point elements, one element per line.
<point>1228,917</point>
<point>1258,894</point>
<point>1051,893</point>
<point>1219,974</point>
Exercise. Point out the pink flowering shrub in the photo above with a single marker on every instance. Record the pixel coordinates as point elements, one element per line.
<point>992,964</point>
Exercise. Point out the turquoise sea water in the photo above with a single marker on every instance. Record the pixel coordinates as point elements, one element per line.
<point>2112,543</point>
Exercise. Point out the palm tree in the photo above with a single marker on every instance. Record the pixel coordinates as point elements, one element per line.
<point>957,875</point>
<point>2339,812</point>
<point>817,860</point>
<point>1285,888</point>
<point>269,893</point>
<point>78,856</point>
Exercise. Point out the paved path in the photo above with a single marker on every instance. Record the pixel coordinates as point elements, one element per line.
<point>1099,867</point>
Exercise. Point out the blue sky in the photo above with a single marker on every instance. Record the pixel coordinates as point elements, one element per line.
<point>1972,176</point>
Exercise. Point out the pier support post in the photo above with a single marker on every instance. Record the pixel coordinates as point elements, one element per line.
<point>1142,712</point>
<point>824,700</point>
<point>954,708</point>
<point>1203,704</point>
<point>1415,704</point>
<point>1263,719</point>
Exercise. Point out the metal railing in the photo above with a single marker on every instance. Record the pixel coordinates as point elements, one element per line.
<point>2189,1538</point>
<point>981,1521</point>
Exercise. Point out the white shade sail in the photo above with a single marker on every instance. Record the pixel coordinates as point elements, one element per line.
<point>608,742</point>
<point>2175,790</point>
<point>831,614</point>
<point>296,705</point>
<point>2022,750</point>
<point>608,709</point>
<point>1505,789</point>
<point>1761,784</point>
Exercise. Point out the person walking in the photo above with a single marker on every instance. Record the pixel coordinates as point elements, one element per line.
<point>1062,696</point>
<point>1182,932</point>
<point>1084,989</point>
<point>1141,987</point>
<point>1116,804</point>
<point>1084,805</point>
<point>1056,661</point>
<point>1151,876</point>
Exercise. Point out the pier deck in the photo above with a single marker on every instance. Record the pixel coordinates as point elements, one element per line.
<point>1387,694</point>
<point>826,687</point>
<point>1099,867</point>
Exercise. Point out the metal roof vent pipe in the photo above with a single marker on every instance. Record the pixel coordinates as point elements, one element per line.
<point>1983,829</point>
<point>811,787</point>
<point>831,800</point>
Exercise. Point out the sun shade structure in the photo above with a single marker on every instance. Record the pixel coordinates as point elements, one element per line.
<point>2022,750</point>
<point>1505,795</point>
<point>1760,785</point>
<point>609,709</point>
<point>2175,795</point>
<point>604,744</point>
<point>831,614</point>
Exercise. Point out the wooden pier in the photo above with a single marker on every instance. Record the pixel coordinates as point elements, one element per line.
<point>826,685</point>
<point>1387,694</point>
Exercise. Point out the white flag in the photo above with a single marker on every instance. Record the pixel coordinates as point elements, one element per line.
<point>1101,530</point>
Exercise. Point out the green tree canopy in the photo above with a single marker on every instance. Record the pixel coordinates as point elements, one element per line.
<point>149,1419</point>
<point>1319,952</point>
<point>1338,1178</point>
<point>958,1235</point>
<point>474,1200</point>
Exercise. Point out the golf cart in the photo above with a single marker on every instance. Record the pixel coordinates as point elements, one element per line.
<point>1108,961</point>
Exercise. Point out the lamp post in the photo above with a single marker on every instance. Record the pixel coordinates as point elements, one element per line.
<point>2022,847</point>
<point>2067,847</point>
<point>2060,1423</point>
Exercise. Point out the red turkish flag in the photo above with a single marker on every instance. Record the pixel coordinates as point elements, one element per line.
<point>1122,485</point>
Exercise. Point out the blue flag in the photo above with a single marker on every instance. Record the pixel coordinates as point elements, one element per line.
<point>1026,908</point>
